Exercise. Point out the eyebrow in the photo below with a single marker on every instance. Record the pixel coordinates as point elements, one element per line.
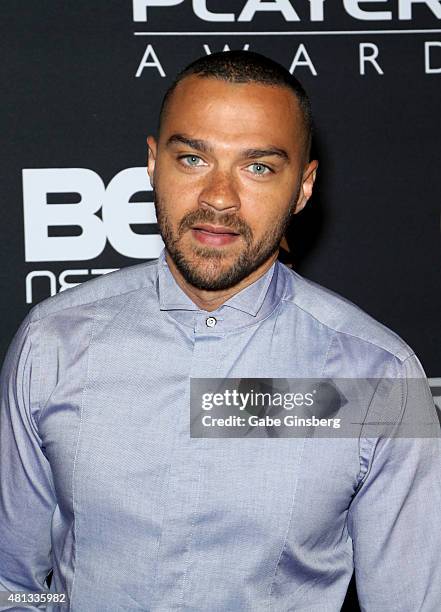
<point>255,153</point>
<point>205,147</point>
<point>193,143</point>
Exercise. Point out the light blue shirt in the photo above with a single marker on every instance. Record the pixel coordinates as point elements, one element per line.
<point>101,481</point>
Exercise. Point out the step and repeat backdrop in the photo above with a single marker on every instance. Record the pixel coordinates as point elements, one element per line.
<point>82,82</point>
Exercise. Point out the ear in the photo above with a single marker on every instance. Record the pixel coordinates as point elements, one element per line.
<point>152,148</point>
<point>308,179</point>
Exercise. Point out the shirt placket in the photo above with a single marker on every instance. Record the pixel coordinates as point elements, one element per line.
<point>182,500</point>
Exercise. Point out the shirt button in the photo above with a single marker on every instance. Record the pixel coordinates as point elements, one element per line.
<point>210,322</point>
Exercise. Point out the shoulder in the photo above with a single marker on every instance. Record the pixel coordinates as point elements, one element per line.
<point>113,286</point>
<point>57,332</point>
<point>344,321</point>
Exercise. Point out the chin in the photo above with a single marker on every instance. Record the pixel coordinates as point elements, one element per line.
<point>210,256</point>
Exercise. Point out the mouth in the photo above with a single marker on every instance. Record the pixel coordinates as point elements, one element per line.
<point>214,235</point>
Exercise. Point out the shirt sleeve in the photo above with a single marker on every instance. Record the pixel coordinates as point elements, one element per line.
<point>395,518</point>
<point>27,497</point>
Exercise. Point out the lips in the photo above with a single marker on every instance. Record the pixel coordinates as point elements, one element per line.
<point>215,229</point>
<point>214,235</point>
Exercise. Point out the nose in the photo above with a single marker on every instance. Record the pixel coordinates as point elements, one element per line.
<point>220,193</point>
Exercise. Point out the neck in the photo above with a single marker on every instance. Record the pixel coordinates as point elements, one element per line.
<point>210,300</point>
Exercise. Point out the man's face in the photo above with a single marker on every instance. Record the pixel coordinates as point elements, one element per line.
<point>228,171</point>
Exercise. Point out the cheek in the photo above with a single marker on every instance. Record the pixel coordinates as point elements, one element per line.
<point>264,208</point>
<point>176,196</point>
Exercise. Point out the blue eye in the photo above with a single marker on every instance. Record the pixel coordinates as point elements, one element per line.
<point>191,160</point>
<point>259,169</point>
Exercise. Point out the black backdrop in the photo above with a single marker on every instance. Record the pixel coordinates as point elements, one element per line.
<point>82,83</point>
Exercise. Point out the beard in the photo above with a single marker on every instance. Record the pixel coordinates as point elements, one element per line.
<point>203,266</point>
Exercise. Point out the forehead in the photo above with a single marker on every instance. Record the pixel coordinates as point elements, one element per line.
<point>230,113</point>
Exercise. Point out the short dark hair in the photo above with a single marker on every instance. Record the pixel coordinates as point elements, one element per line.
<point>245,67</point>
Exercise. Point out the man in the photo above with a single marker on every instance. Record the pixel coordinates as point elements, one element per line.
<point>101,481</point>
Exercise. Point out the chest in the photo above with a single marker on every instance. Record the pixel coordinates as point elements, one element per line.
<point>122,449</point>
